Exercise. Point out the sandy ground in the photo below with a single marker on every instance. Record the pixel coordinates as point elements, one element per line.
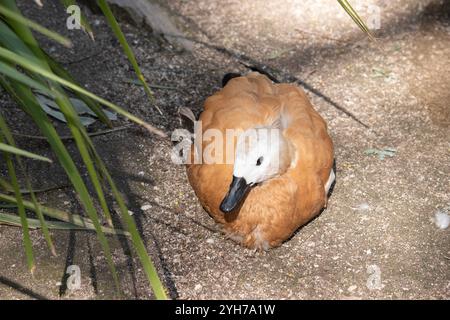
<point>379,221</point>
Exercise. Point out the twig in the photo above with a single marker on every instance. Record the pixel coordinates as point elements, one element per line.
<point>26,191</point>
<point>154,86</point>
<point>83,58</point>
<point>93,134</point>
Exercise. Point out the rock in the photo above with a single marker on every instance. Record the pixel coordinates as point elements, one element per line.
<point>146,207</point>
<point>352,288</point>
<point>442,220</point>
<point>198,287</point>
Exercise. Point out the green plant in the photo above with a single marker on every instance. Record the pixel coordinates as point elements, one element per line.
<point>27,73</point>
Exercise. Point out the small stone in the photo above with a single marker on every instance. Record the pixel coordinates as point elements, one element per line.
<point>352,288</point>
<point>442,220</point>
<point>198,287</point>
<point>59,284</point>
<point>363,207</point>
<point>210,241</point>
<point>146,207</point>
<point>130,212</point>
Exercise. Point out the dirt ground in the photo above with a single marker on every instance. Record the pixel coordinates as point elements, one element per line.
<point>379,221</point>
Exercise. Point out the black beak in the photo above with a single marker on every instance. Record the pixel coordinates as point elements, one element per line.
<point>236,193</point>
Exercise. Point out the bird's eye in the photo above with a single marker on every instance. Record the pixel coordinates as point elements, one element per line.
<point>259,161</point>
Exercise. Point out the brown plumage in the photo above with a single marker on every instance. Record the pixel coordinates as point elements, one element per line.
<point>274,209</point>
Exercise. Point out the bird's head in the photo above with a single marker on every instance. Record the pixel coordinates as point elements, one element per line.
<point>262,153</point>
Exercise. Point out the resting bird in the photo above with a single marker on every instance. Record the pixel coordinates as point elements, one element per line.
<point>274,183</point>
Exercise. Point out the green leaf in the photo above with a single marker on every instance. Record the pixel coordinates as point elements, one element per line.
<point>149,268</point>
<point>87,116</point>
<point>93,105</point>
<point>126,48</point>
<point>9,137</point>
<point>75,219</point>
<point>11,14</point>
<point>19,76</point>
<point>383,153</point>
<point>23,218</point>
<point>30,105</point>
<point>14,220</point>
<point>11,56</point>
<point>10,149</point>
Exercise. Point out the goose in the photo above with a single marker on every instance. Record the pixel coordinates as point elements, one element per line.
<point>281,167</point>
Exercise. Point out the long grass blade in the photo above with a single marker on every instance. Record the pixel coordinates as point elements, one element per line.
<point>19,76</point>
<point>356,18</point>
<point>10,149</point>
<point>30,105</point>
<point>8,136</point>
<point>13,220</point>
<point>10,40</point>
<point>11,56</point>
<point>14,15</point>
<point>21,209</point>
<point>77,130</point>
<point>149,268</point>
<point>126,48</point>
<point>72,218</point>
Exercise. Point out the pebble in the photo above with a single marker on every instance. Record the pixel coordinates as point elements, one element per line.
<point>198,287</point>
<point>146,207</point>
<point>363,207</point>
<point>442,220</point>
<point>352,288</point>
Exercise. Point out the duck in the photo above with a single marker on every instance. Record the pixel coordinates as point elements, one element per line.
<point>272,160</point>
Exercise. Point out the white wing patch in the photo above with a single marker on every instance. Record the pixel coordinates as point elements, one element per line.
<point>330,181</point>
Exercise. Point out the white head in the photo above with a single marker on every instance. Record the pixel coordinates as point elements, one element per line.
<point>262,153</point>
